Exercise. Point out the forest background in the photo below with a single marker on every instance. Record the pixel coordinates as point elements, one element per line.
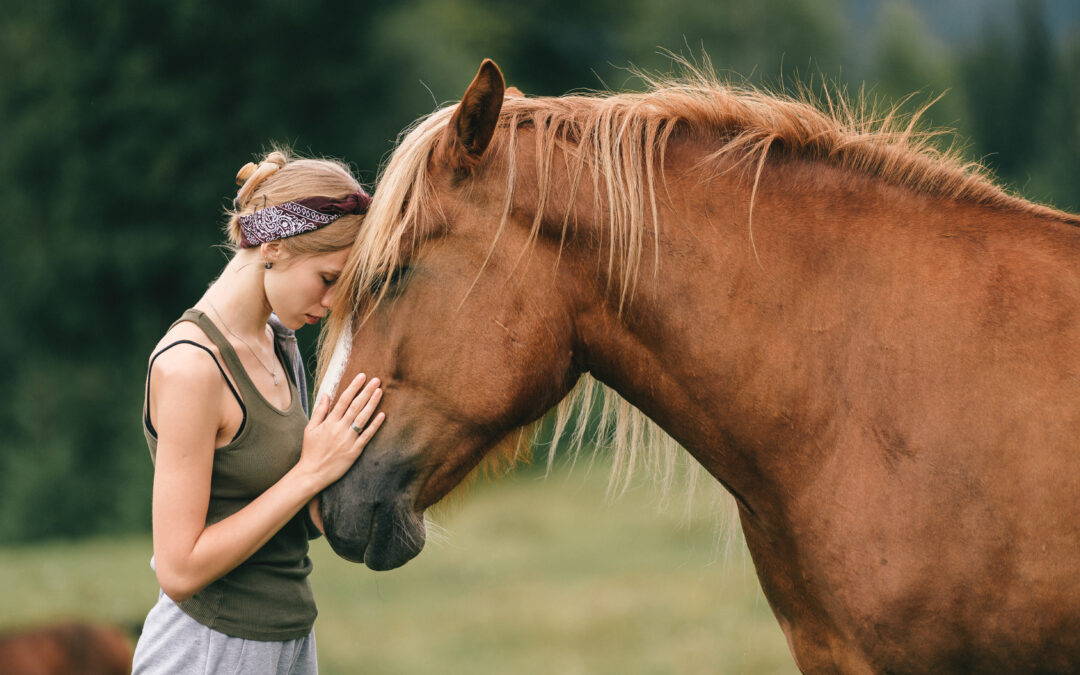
<point>124,122</point>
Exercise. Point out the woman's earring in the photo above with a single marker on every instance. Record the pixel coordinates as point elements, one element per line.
<point>268,265</point>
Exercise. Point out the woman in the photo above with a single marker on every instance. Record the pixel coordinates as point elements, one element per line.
<point>237,463</point>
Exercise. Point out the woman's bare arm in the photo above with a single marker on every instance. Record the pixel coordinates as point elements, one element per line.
<point>187,395</point>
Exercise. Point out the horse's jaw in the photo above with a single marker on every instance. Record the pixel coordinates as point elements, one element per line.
<point>364,522</point>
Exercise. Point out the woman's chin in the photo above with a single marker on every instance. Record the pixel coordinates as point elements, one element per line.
<point>292,323</point>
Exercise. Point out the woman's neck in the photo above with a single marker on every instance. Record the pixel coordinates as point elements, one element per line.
<point>237,297</point>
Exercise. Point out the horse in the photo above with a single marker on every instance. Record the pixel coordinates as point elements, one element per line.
<point>66,648</point>
<point>868,342</point>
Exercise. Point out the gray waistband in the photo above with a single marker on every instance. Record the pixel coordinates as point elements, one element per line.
<point>174,643</point>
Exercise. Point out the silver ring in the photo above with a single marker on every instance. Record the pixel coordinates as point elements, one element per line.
<point>357,429</point>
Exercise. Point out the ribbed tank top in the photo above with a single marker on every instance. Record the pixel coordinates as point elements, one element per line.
<point>268,597</point>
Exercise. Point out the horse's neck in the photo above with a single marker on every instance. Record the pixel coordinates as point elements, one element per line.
<point>736,344</point>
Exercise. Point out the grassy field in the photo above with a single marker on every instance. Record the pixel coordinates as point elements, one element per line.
<point>533,575</point>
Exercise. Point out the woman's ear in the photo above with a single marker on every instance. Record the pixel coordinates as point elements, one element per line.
<point>270,252</point>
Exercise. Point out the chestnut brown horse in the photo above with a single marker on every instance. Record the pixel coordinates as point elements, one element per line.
<point>66,648</point>
<point>873,347</point>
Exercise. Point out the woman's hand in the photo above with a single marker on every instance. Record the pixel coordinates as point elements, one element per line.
<point>333,439</point>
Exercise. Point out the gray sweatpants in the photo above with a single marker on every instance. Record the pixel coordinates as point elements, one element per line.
<point>174,643</point>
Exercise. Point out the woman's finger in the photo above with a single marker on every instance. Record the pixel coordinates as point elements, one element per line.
<point>361,399</point>
<point>319,413</point>
<point>364,414</point>
<point>347,396</point>
<point>370,430</point>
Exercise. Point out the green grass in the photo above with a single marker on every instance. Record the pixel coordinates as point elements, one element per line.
<point>533,576</point>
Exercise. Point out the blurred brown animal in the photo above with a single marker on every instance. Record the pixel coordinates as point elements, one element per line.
<point>66,649</point>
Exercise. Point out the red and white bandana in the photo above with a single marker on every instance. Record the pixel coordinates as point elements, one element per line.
<point>297,217</point>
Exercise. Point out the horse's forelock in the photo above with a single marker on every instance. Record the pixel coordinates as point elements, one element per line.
<point>402,193</point>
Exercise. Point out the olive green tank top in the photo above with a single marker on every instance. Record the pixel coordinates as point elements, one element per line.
<point>268,597</point>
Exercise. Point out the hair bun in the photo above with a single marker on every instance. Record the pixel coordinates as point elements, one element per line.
<point>250,176</point>
<point>276,157</point>
<point>245,172</point>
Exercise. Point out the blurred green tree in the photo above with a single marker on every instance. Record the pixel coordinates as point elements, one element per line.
<point>1022,116</point>
<point>124,123</point>
<point>910,60</point>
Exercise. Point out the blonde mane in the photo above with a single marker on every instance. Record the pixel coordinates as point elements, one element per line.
<point>617,142</point>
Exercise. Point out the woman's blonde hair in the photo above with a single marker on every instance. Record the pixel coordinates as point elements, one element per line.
<point>280,178</point>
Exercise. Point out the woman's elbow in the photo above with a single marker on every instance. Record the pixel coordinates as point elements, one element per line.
<point>175,585</point>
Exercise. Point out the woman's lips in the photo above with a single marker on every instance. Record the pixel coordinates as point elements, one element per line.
<point>312,319</point>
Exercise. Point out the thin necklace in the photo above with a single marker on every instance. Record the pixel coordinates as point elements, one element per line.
<point>273,373</point>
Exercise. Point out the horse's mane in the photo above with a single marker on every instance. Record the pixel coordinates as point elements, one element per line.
<point>617,142</point>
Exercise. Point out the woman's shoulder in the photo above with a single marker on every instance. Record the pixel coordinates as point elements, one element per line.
<point>185,354</point>
<point>179,336</point>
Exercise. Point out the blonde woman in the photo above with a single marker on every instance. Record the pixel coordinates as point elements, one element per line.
<point>237,462</point>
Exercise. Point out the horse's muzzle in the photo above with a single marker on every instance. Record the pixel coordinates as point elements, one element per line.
<point>380,536</point>
<point>364,523</point>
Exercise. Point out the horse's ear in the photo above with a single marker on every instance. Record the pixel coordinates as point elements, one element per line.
<point>514,92</point>
<point>473,123</point>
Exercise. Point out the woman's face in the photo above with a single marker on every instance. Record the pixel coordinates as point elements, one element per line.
<point>300,290</point>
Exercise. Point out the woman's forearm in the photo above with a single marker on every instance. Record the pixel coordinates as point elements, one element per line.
<point>223,546</point>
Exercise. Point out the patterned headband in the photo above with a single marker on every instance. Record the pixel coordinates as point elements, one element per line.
<point>297,217</point>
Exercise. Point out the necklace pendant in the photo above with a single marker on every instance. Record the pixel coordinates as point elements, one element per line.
<point>274,375</point>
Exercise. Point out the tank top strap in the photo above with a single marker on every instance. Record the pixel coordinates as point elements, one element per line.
<point>146,397</point>
<point>225,348</point>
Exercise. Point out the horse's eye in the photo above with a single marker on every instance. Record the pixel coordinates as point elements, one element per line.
<point>388,282</point>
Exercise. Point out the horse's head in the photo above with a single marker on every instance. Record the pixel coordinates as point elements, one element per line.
<point>457,308</point>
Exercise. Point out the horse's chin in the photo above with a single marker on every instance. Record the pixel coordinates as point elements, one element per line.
<point>389,536</point>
